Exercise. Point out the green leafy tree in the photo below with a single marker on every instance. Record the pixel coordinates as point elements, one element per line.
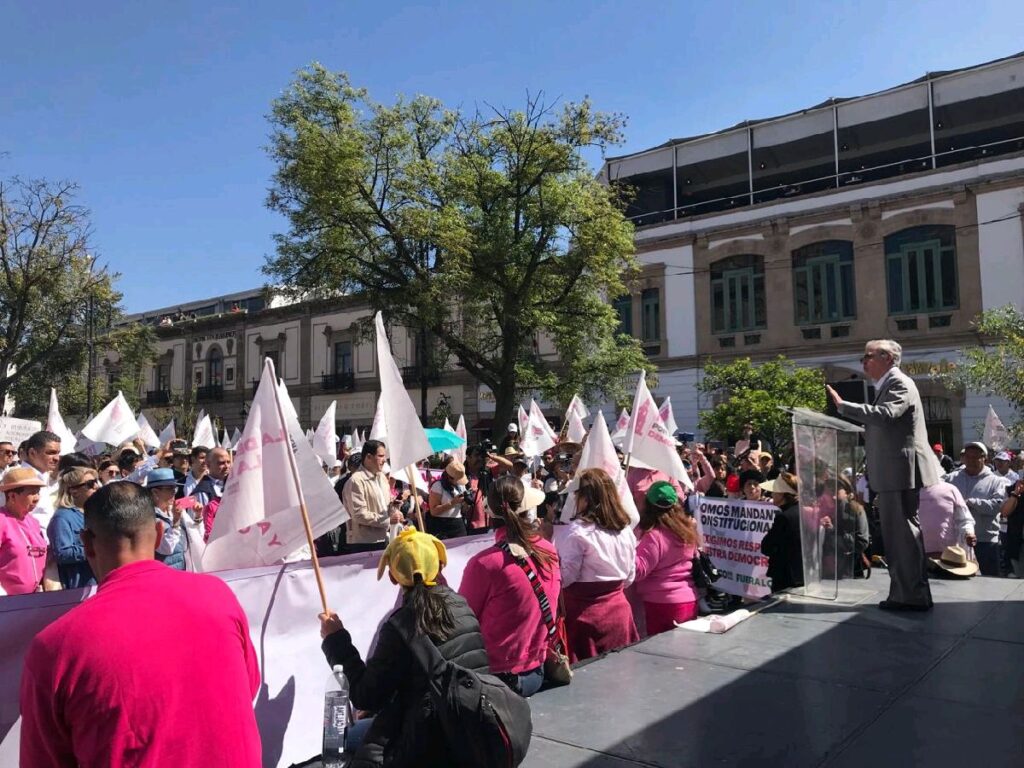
<point>752,392</point>
<point>487,231</point>
<point>993,367</point>
<point>52,292</point>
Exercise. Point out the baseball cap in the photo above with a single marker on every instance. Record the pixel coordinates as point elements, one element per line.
<point>413,553</point>
<point>979,445</point>
<point>1002,456</point>
<point>513,428</point>
<point>937,447</point>
<point>662,494</point>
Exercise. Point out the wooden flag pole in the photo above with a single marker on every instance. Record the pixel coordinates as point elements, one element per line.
<point>302,498</point>
<point>416,495</point>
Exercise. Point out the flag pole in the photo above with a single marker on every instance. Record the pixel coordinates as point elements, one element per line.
<point>302,498</point>
<point>416,496</point>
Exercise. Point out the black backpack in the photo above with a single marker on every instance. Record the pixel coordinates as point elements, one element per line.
<point>484,722</point>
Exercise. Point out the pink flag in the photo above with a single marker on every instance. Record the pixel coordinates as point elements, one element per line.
<point>259,522</point>
<point>619,435</point>
<point>648,441</point>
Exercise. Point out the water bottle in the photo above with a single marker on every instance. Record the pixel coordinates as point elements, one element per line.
<point>335,717</point>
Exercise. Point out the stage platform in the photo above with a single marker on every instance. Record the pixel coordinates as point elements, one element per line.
<point>807,683</point>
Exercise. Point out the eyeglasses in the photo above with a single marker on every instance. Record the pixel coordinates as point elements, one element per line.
<point>869,355</point>
<point>87,484</point>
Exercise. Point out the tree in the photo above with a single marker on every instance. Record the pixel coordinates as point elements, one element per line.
<point>51,293</point>
<point>745,391</point>
<point>487,231</point>
<point>993,367</point>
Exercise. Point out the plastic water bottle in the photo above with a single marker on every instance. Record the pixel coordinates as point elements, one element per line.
<point>335,717</point>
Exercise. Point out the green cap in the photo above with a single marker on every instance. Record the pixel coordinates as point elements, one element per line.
<point>662,494</point>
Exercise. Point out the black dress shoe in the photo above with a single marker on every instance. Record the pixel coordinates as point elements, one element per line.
<point>892,605</point>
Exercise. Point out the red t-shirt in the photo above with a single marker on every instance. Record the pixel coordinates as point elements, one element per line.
<point>156,669</point>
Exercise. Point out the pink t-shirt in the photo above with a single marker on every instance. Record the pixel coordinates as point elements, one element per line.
<point>664,568</point>
<point>156,669</point>
<point>22,553</point>
<point>504,602</point>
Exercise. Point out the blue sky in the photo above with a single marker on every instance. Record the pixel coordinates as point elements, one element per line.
<point>158,110</point>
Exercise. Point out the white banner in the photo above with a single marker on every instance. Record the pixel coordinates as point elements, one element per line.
<point>731,531</point>
<point>281,603</point>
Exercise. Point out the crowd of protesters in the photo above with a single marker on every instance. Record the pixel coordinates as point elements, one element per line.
<point>525,604</point>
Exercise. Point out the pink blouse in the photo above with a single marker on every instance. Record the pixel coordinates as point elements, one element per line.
<point>22,553</point>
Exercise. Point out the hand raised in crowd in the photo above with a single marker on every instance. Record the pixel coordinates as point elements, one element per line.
<point>329,624</point>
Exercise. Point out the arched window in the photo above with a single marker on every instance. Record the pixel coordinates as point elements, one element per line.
<point>823,289</point>
<point>920,268</point>
<point>215,367</point>
<point>737,294</point>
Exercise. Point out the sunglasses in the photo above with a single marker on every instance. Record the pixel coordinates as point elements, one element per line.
<point>87,484</point>
<point>7,452</point>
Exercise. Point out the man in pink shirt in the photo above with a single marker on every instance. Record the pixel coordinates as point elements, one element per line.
<point>98,688</point>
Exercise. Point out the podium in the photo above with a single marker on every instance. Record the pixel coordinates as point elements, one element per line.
<point>822,447</point>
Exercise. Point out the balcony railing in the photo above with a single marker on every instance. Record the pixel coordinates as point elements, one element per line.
<point>414,374</point>
<point>158,397</point>
<point>211,392</point>
<point>336,382</point>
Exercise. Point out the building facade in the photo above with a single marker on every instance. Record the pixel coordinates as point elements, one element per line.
<point>895,215</point>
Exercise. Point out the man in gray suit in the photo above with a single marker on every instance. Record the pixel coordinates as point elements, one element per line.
<point>900,462</point>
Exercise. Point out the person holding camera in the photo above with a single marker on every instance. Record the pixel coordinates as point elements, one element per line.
<point>446,497</point>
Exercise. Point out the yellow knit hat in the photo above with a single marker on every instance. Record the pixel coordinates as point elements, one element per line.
<point>411,553</point>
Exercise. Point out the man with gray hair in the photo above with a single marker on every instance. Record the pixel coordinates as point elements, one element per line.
<point>900,462</point>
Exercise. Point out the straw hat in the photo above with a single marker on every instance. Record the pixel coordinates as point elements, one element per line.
<point>456,472</point>
<point>20,477</point>
<point>954,562</point>
<point>778,485</point>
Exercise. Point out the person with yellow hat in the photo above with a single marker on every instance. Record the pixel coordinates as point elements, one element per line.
<point>389,683</point>
<point>22,544</point>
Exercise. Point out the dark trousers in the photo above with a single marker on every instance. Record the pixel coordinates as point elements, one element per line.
<point>904,547</point>
<point>987,554</point>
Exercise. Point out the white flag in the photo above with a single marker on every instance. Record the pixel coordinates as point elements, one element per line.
<point>379,429</point>
<point>576,431</point>
<point>225,440</point>
<point>357,441</point>
<point>407,442</point>
<point>55,423</point>
<point>539,435</point>
<point>600,453</point>
<point>996,436</point>
<point>523,418</point>
<point>448,428</point>
<point>621,427</point>
<point>114,424</point>
<point>325,441</point>
<point>167,434</point>
<point>259,522</point>
<point>236,438</point>
<point>460,430</point>
<point>649,442</point>
<point>576,406</point>
<point>146,433</point>
<point>203,434</point>
<point>667,417</point>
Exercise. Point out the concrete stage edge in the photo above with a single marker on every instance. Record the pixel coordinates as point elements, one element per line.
<point>807,683</point>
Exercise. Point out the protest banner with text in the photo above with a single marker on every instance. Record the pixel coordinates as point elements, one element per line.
<point>731,530</point>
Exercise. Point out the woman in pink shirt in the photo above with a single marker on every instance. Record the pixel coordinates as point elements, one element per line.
<point>501,594</point>
<point>664,560</point>
<point>22,544</point>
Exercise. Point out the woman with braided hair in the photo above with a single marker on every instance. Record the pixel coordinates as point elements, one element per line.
<point>509,585</point>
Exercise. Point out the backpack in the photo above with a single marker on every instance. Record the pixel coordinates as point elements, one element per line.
<point>484,722</point>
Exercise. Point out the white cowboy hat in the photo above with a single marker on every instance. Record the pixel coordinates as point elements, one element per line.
<point>954,561</point>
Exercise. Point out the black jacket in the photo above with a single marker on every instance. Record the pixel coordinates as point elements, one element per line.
<point>782,547</point>
<point>391,684</point>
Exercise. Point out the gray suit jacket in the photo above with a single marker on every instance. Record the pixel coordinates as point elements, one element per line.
<point>895,438</point>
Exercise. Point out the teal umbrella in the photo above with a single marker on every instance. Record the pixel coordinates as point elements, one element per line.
<point>443,440</point>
